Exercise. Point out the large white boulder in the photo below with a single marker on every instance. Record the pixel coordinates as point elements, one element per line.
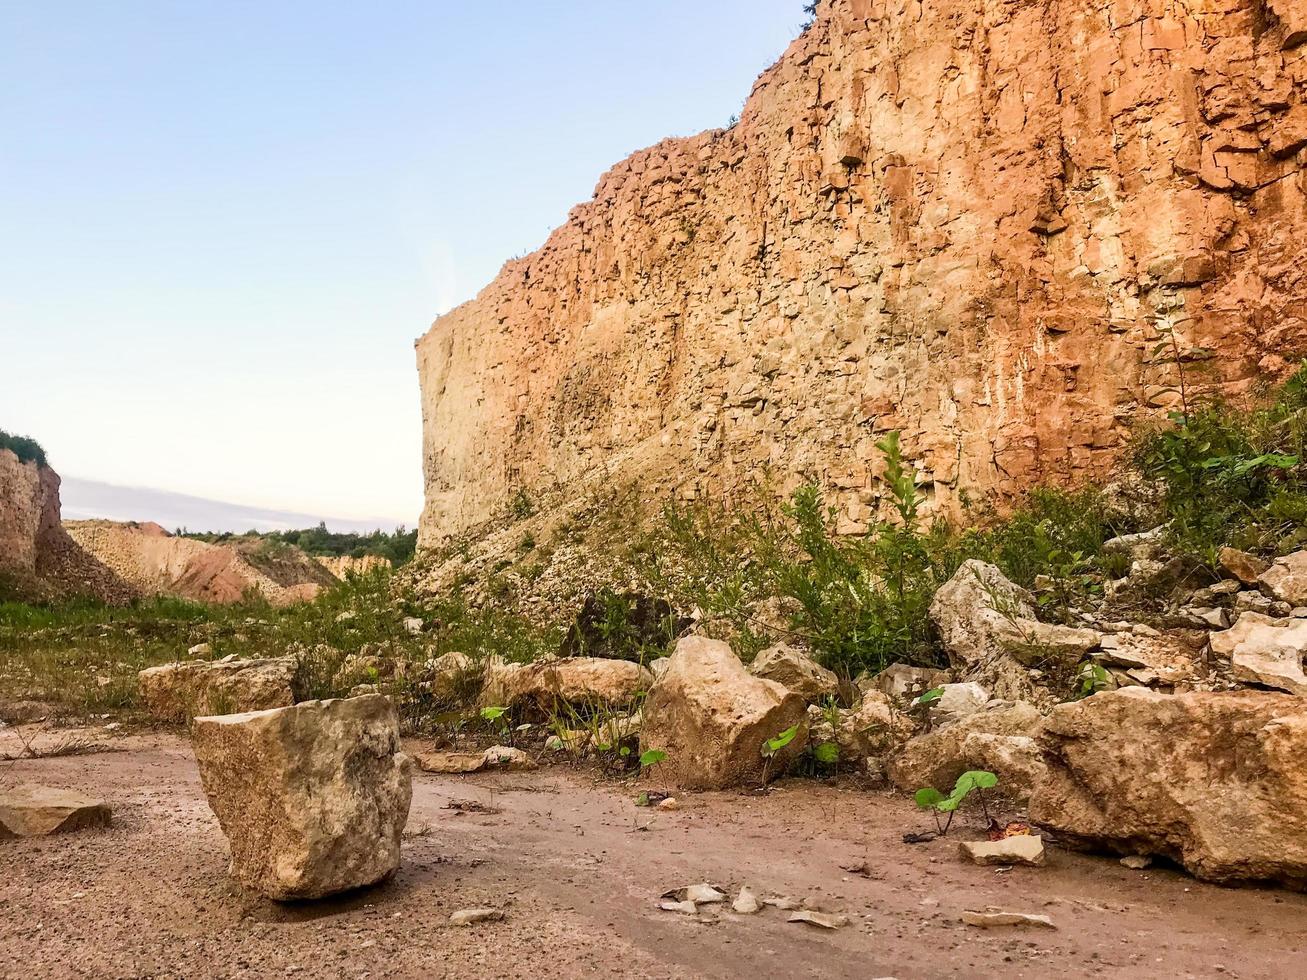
<point>712,717</point>
<point>312,798</point>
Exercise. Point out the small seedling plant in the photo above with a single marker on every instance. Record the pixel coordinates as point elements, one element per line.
<point>772,747</point>
<point>929,798</point>
<point>497,719</point>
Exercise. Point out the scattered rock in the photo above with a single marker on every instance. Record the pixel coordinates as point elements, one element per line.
<point>687,908</point>
<point>825,920</point>
<point>1243,566</point>
<point>939,757</point>
<point>670,803</point>
<point>988,627</point>
<point>177,691</point>
<point>1026,849</point>
<point>469,917</point>
<point>1137,862</point>
<point>1286,579</point>
<point>712,717</point>
<point>34,811</point>
<point>746,903</point>
<point>200,650</point>
<point>995,920</point>
<point>450,763</point>
<point>902,681</point>
<point>1265,651</point>
<point>312,798</point>
<point>796,671</point>
<point>1212,780</point>
<point>782,902</point>
<point>537,688</point>
<point>957,701</point>
<point>413,624</point>
<point>504,757</point>
<point>703,894</point>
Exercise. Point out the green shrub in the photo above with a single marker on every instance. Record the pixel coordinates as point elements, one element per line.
<point>27,450</point>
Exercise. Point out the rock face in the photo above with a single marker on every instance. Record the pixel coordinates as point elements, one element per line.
<point>156,562</point>
<point>795,671</point>
<point>1214,781</point>
<point>175,692</point>
<point>711,717</point>
<point>964,221</point>
<point>312,798</point>
<point>34,811</point>
<point>37,557</point>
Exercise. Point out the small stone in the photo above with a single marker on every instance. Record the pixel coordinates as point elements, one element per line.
<point>1137,862</point>
<point>200,650</point>
<point>1243,566</point>
<point>669,804</point>
<point>468,917</point>
<point>687,907</point>
<point>503,757</point>
<point>1026,849</point>
<point>447,763</point>
<point>825,920</point>
<point>746,903</point>
<point>995,920</point>
<point>413,624</point>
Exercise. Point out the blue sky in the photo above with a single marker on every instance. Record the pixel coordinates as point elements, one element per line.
<point>223,224</point>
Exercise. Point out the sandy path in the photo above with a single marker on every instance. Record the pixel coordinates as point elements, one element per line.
<point>150,897</point>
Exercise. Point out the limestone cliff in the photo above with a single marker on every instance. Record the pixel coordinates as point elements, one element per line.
<point>990,225</point>
<point>37,558</point>
<point>29,514</point>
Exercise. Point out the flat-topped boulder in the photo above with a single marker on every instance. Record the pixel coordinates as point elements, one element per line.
<point>34,811</point>
<point>312,798</point>
<point>712,717</point>
<point>177,691</point>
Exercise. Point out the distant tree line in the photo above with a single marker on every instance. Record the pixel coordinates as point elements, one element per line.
<point>26,449</point>
<point>398,545</point>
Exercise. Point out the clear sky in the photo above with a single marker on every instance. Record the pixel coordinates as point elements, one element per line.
<point>224,222</point>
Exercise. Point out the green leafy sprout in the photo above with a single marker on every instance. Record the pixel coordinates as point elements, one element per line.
<point>929,798</point>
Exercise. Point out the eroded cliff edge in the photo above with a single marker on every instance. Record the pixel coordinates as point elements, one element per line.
<point>973,222</point>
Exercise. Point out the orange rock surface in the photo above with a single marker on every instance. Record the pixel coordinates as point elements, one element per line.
<point>1009,230</point>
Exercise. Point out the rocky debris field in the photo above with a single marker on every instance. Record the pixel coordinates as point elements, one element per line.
<point>574,874</point>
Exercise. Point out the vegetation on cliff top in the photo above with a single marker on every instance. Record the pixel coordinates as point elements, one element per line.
<point>27,449</point>
<point>398,545</point>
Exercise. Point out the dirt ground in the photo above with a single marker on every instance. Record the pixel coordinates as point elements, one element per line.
<point>578,869</point>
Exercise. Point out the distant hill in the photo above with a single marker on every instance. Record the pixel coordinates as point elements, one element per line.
<point>91,499</point>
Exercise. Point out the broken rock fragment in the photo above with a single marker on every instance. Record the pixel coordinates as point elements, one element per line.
<point>796,671</point>
<point>1027,849</point>
<point>34,811</point>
